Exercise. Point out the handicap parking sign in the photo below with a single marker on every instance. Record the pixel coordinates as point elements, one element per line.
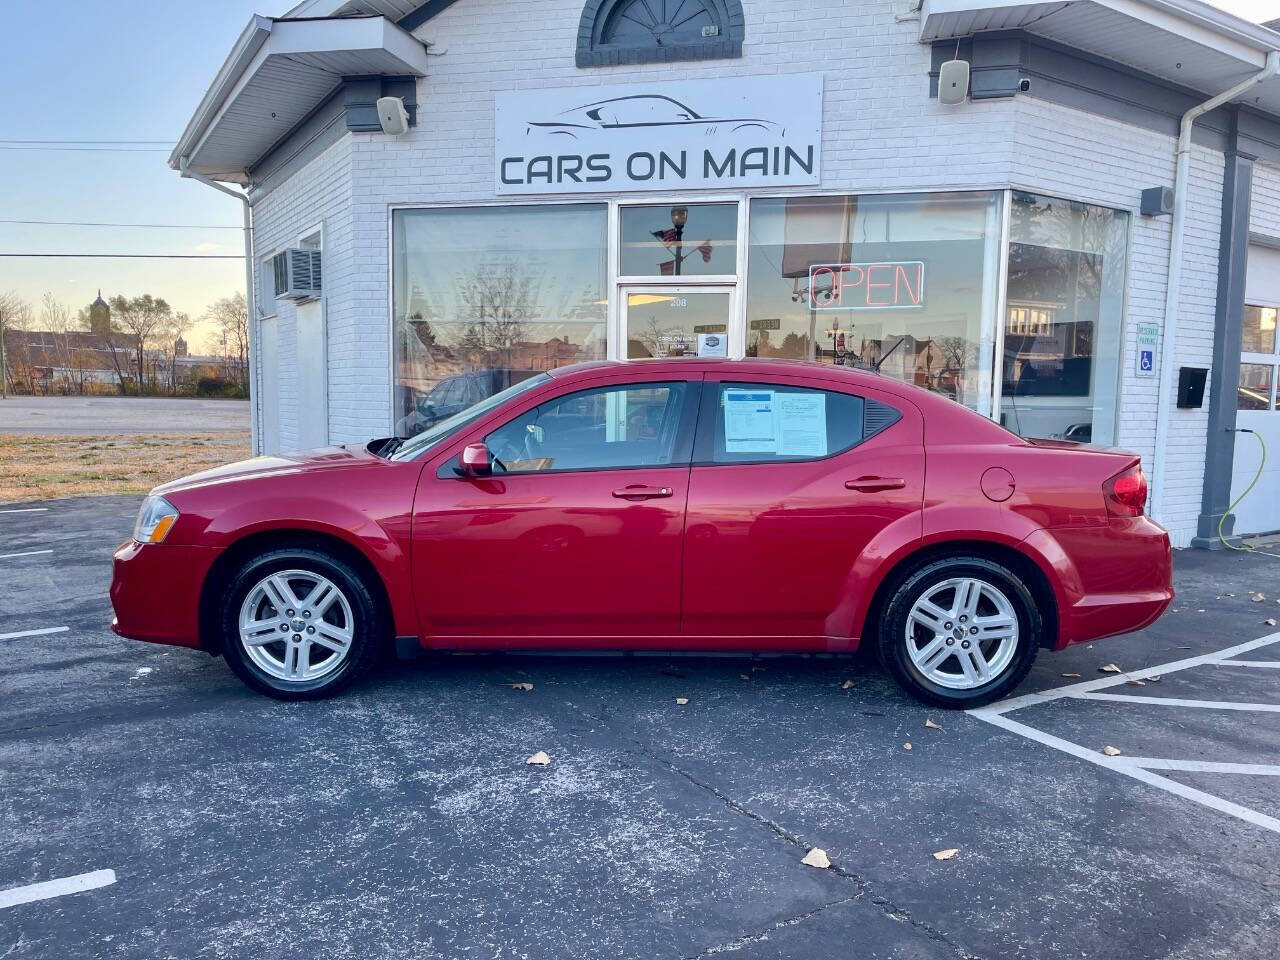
<point>1146,362</point>
<point>1148,337</point>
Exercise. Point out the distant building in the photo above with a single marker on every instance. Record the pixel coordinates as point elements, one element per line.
<point>50,361</point>
<point>100,317</point>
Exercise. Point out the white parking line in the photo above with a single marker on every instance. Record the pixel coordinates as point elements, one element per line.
<point>27,510</point>
<point>1140,768</point>
<point>57,888</point>
<point>33,633</point>
<point>1256,664</point>
<point>1178,702</point>
<point>26,553</point>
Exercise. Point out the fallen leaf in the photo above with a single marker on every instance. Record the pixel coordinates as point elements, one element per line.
<point>1270,621</point>
<point>1155,679</point>
<point>946,854</point>
<point>1183,646</point>
<point>1110,751</point>
<point>1137,683</point>
<point>1110,668</point>
<point>1073,674</point>
<point>539,759</point>
<point>847,685</point>
<point>1258,597</point>
<point>906,746</point>
<point>681,701</point>
<point>757,669</point>
<point>817,857</point>
<point>1201,610</point>
<point>744,676</point>
<point>931,725</point>
<point>522,686</point>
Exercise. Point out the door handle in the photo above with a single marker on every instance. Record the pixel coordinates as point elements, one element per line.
<point>639,491</point>
<point>875,484</point>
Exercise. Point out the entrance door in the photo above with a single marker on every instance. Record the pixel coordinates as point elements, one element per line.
<point>1256,401</point>
<point>678,321</point>
<point>313,375</point>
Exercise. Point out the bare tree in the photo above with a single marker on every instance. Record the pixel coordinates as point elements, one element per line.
<point>142,318</point>
<point>231,316</point>
<point>499,302</point>
<point>13,309</point>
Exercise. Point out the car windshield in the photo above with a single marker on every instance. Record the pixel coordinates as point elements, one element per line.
<point>446,428</point>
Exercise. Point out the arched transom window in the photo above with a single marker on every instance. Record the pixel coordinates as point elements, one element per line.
<point>653,31</point>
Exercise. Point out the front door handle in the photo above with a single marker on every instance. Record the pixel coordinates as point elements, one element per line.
<point>640,491</point>
<point>875,484</point>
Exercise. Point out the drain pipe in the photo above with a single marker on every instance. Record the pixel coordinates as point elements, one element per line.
<point>250,313</point>
<point>1169,334</point>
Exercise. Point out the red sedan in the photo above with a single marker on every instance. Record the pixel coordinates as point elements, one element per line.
<point>689,505</point>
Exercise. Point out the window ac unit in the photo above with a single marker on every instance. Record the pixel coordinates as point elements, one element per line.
<point>297,274</point>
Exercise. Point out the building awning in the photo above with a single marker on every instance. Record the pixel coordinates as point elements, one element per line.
<point>1184,41</point>
<point>278,72</point>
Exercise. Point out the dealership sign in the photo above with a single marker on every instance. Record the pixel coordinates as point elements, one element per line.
<point>867,286</point>
<point>731,132</point>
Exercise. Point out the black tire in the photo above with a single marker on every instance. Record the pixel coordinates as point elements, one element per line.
<point>893,643</point>
<point>367,627</point>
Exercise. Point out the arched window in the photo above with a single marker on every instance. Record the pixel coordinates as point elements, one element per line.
<point>614,32</point>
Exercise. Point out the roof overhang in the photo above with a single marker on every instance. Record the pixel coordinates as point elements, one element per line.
<point>276,74</point>
<point>1183,41</point>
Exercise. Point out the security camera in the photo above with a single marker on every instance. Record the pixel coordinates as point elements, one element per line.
<point>392,116</point>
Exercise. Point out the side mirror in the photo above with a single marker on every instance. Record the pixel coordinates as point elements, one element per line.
<point>476,461</point>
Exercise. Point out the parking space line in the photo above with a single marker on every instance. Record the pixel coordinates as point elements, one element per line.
<point>57,888</point>
<point>1088,686</point>
<point>1129,769</point>
<point>1179,702</point>
<point>26,553</point>
<point>33,633</point>
<point>1205,766</point>
<point>27,510</point>
<point>1256,664</point>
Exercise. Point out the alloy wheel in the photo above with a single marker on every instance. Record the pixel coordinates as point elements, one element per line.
<point>962,633</point>
<point>296,626</point>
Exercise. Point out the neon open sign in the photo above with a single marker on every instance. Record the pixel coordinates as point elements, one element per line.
<point>867,286</point>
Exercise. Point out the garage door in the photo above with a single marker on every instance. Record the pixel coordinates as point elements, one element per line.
<point>1256,407</point>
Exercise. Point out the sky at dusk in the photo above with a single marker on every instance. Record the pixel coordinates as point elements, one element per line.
<point>132,70</point>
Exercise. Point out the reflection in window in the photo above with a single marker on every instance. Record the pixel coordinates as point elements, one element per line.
<point>1259,333</point>
<point>487,296</point>
<point>1255,388</point>
<point>841,279</point>
<point>685,323</point>
<point>679,240</point>
<point>1064,316</point>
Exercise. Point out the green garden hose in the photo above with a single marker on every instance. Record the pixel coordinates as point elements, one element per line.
<point>1252,483</point>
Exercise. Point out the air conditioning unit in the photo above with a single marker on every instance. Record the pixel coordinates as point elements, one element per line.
<point>297,274</point>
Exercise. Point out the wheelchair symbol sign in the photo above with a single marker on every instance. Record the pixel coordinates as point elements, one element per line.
<point>1148,335</point>
<point>1146,361</point>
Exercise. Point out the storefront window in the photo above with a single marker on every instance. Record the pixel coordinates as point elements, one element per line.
<point>679,240</point>
<point>842,279</point>
<point>487,296</point>
<point>1259,332</point>
<point>1254,392</point>
<point>1065,311</point>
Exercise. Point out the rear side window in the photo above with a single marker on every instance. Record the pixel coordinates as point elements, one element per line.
<point>636,425</point>
<point>765,423</point>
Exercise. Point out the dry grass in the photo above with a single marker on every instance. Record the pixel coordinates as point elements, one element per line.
<point>45,467</point>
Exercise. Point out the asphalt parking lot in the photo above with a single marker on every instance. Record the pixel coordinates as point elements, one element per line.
<point>166,811</point>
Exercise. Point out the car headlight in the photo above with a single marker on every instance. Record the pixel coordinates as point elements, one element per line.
<point>155,519</point>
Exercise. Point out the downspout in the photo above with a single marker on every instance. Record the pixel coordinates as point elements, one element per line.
<point>1169,334</point>
<point>249,304</point>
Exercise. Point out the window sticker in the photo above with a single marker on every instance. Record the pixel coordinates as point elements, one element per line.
<point>802,424</point>
<point>749,424</point>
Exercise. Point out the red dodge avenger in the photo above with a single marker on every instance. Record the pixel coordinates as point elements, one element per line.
<point>687,505</point>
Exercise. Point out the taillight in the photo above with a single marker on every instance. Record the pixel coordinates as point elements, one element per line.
<point>1126,493</point>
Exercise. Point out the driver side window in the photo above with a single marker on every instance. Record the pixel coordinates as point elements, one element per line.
<point>636,425</point>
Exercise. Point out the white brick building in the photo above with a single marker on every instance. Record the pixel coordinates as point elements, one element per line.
<point>452,265</point>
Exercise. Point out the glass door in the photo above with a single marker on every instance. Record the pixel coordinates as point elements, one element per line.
<point>675,321</point>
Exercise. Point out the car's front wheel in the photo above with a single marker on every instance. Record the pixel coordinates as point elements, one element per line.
<point>299,624</point>
<point>960,632</point>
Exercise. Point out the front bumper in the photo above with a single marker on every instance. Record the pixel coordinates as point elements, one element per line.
<point>155,591</point>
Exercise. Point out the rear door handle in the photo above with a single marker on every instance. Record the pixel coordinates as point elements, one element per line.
<point>875,484</point>
<point>639,491</point>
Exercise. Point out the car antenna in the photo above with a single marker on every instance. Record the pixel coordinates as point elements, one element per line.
<point>896,344</point>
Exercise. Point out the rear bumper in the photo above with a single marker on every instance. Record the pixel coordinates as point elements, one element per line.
<point>155,592</point>
<point>1111,580</point>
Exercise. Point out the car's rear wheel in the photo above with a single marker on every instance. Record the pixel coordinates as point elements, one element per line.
<point>960,632</point>
<point>299,624</point>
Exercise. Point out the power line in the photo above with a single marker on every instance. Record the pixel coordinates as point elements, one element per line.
<point>65,142</point>
<point>90,223</point>
<point>69,149</point>
<point>131,256</point>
